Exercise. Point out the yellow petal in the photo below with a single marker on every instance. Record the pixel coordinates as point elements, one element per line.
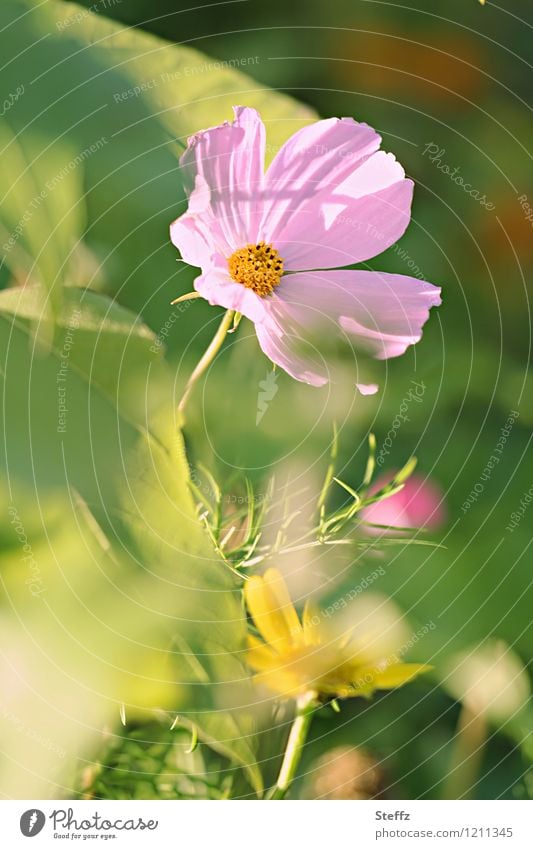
<point>312,618</point>
<point>397,674</point>
<point>260,656</point>
<point>282,682</point>
<point>270,621</point>
<point>277,586</point>
<point>345,638</point>
<point>346,691</point>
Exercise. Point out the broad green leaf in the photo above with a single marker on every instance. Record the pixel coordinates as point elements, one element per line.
<point>137,608</point>
<point>157,525</point>
<point>104,114</point>
<point>74,411</point>
<point>42,207</point>
<point>95,132</point>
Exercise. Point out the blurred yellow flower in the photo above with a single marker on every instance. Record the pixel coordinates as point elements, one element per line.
<point>298,658</point>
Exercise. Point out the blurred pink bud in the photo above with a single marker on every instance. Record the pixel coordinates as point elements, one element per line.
<point>420,504</point>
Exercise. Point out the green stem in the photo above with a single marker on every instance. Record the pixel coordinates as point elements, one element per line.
<point>207,358</point>
<point>467,754</point>
<point>305,707</point>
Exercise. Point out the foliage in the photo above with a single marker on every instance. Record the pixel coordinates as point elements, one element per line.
<point>152,762</point>
<point>118,605</point>
<point>91,176</point>
<point>237,534</point>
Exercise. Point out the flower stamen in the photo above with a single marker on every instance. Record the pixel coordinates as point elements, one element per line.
<point>258,267</point>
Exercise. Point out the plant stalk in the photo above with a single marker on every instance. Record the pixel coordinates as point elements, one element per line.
<point>305,707</point>
<point>207,358</point>
<point>467,754</point>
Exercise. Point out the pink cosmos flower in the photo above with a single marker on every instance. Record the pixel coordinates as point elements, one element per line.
<point>420,504</point>
<point>266,241</point>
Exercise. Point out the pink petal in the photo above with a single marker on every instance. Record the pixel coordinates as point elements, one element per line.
<point>333,231</point>
<point>420,504</point>
<point>230,159</point>
<point>197,233</point>
<point>285,344</point>
<point>331,199</point>
<point>217,287</point>
<point>288,348</point>
<point>367,388</point>
<point>314,158</point>
<point>384,313</point>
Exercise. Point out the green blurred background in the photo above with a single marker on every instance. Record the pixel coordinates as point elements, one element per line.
<point>453,76</point>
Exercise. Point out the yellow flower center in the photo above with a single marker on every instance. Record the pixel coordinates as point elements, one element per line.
<point>258,267</point>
